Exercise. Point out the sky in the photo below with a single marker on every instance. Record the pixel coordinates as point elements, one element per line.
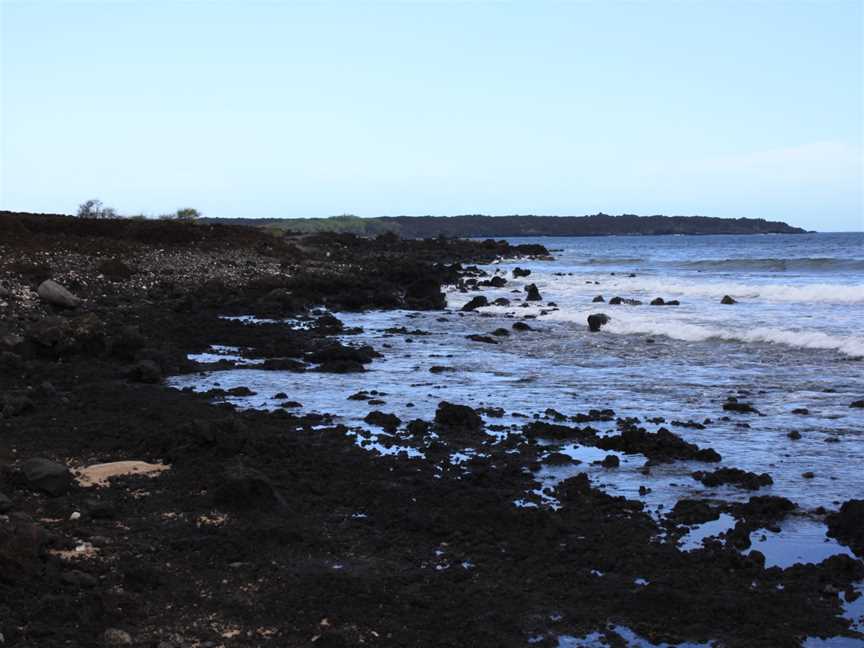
<point>281,109</point>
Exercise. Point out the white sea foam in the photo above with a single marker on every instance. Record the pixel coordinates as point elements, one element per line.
<point>624,323</point>
<point>670,288</point>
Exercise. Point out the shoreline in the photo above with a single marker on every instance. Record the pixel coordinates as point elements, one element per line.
<point>274,528</point>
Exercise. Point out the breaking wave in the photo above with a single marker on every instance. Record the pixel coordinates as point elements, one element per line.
<point>615,261</point>
<point>850,345</point>
<point>847,345</point>
<point>669,288</point>
<point>813,264</point>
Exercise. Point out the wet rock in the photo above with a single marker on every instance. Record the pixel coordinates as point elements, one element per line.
<point>53,293</point>
<point>728,300</point>
<point>339,353</point>
<point>501,332</point>
<point>476,302</point>
<point>617,301</point>
<point>858,403</point>
<point>688,511</point>
<point>847,525</point>
<point>241,391</point>
<point>452,417</point>
<point>558,459</point>
<point>145,371</point>
<point>437,369</point>
<point>341,366</point>
<point>282,364</point>
<point>242,487</point>
<point>610,461</point>
<point>418,427</point>
<point>801,411</point>
<point>733,476</point>
<point>481,338</point>
<point>658,302</point>
<point>115,637</point>
<point>597,320</point>
<point>497,281</point>
<point>425,294</point>
<point>390,422</point>
<point>521,326</point>
<point>794,435</point>
<point>598,299</point>
<point>46,476</point>
<point>808,475</point>
<point>533,293</point>
<point>521,272</point>
<point>732,404</point>
<point>501,301</point>
<point>544,430</point>
<point>660,446</point>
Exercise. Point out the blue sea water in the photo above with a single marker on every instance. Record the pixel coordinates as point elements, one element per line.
<point>794,340</point>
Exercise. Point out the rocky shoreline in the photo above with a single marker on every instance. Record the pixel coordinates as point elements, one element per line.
<point>249,528</point>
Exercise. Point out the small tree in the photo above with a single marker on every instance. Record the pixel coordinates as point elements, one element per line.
<point>90,208</point>
<point>188,214</point>
<point>93,208</point>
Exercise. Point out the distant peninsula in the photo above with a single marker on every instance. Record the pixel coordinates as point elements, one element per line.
<point>478,225</point>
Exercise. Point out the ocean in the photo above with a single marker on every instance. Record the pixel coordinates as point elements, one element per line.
<point>791,346</point>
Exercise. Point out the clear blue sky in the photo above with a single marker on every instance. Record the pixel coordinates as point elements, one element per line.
<point>287,109</point>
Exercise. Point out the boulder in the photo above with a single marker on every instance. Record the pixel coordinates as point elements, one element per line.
<point>598,299</point>
<point>597,320</point>
<point>53,293</point>
<point>533,293</point>
<point>521,272</point>
<point>390,422</point>
<point>659,301</point>
<point>610,461</point>
<point>521,326</point>
<point>451,417</point>
<point>425,294</point>
<point>617,301</point>
<point>728,300</point>
<point>47,476</point>
<point>858,403</point>
<point>497,281</point>
<point>501,301</point>
<point>847,524</point>
<point>475,303</point>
